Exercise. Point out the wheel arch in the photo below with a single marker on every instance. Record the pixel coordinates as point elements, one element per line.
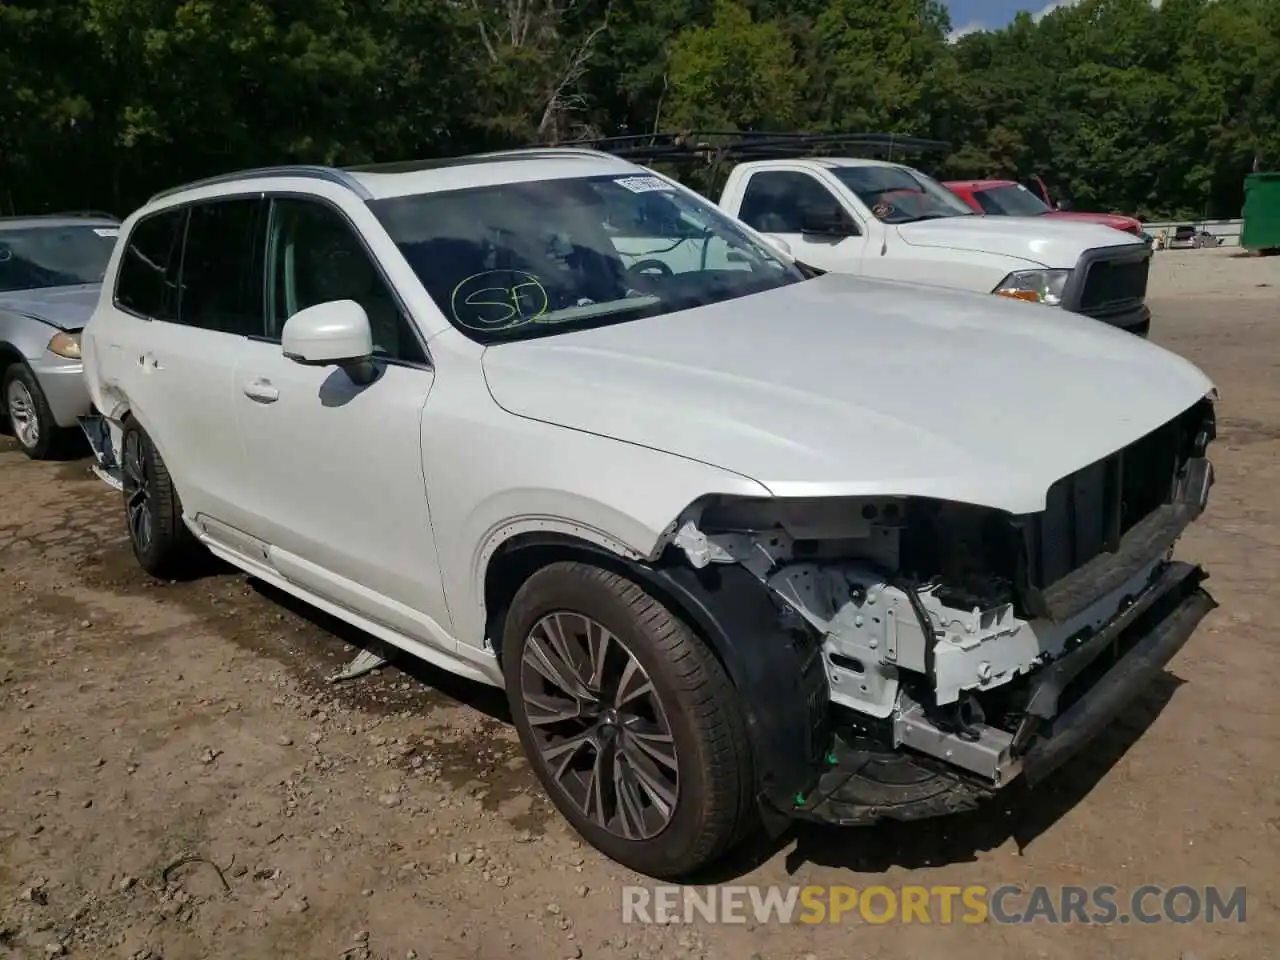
<point>9,353</point>
<point>773,662</point>
<point>519,557</point>
<point>125,413</point>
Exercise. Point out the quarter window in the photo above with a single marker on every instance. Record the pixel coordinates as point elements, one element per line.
<point>147,283</point>
<point>222,268</point>
<point>314,256</point>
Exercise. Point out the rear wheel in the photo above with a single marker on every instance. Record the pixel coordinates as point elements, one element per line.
<point>160,539</point>
<point>630,723</point>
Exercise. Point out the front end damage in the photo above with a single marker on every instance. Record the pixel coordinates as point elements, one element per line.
<point>937,651</point>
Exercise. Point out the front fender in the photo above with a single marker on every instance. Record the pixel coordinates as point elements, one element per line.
<point>510,475</point>
<point>958,268</point>
<point>623,533</point>
<point>25,336</point>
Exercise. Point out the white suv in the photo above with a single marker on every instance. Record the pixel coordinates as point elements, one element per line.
<point>742,544</point>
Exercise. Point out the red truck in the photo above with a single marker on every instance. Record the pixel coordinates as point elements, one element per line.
<point>1009,199</point>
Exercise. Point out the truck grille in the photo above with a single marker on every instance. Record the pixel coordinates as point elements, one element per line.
<point>1114,284</point>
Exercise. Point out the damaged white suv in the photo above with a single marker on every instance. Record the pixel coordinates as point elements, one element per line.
<point>742,544</point>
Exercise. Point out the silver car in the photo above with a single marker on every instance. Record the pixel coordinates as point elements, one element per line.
<point>50,273</point>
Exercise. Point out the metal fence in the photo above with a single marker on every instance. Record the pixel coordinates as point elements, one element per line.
<point>1228,230</point>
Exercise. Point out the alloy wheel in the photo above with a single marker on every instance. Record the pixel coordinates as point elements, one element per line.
<point>599,725</point>
<point>137,490</point>
<point>22,414</point>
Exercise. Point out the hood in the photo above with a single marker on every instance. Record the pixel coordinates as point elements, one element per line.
<point>840,386</point>
<point>1041,240</point>
<point>67,308</point>
<point>1114,220</point>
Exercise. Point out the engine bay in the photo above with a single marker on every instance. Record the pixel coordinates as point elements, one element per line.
<point>936,619</point>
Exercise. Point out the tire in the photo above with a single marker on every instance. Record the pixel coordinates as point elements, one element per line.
<point>161,541</point>
<point>707,792</point>
<point>29,416</point>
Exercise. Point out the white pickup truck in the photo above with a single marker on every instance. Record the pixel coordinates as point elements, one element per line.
<point>889,221</point>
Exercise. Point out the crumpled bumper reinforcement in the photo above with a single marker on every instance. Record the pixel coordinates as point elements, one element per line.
<point>1176,615</point>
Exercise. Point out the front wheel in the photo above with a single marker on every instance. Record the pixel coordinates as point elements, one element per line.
<point>160,539</point>
<point>29,415</point>
<point>631,724</point>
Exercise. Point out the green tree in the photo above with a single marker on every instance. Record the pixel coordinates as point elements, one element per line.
<point>734,74</point>
<point>1118,105</point>
<point>880,66</point>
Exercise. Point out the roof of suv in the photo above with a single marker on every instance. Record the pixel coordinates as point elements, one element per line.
<point>379,181</point>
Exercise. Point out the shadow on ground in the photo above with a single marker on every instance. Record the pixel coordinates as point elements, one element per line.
<point>490,701</point>
<point>1017,813</point>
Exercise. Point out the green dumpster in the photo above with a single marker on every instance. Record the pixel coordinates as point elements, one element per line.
<point>1261,230</point>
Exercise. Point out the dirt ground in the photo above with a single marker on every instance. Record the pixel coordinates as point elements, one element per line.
<point>144,723</point>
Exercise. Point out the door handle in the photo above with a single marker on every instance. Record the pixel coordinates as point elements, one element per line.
<point>261,391</point>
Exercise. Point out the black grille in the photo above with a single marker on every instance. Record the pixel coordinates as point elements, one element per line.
<point>1114,284</point>
<point>1087,512</point>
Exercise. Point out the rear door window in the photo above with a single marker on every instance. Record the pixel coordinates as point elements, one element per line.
<point>147,283</point>
<point>222,267</point>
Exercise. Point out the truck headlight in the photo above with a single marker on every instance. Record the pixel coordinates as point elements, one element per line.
<point>1034,286</point>
<point>65,345</point>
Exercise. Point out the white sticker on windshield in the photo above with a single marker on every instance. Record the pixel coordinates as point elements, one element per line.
<point>107,231</point>
<point>643,184</point>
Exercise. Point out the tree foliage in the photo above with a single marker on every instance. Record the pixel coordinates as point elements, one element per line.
<point>1117,104</point>
<point>735,73</point>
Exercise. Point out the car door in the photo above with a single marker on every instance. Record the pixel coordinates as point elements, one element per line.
<point>333,470</point>
<point>187,295</point>
<point>778,202</point>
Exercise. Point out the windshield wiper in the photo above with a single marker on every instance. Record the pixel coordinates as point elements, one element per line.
<point>588,311</point>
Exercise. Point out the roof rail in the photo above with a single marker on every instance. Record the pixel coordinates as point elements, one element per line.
<point>328,174</point>
<point>547,151</point>
<point>343,175</point>
<point>712,147</point>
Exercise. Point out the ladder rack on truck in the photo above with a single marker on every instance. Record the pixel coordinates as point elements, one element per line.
<point>717,150</point>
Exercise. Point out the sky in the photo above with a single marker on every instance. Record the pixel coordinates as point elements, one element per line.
<point>970,15</point>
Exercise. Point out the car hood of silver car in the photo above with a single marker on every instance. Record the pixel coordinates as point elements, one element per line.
<point>67,308</point>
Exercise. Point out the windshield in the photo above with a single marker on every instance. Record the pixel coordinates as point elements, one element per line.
<point>900,194</point>
<point>1013,200</point>
<point>38,256</point>
<point>520,260</point>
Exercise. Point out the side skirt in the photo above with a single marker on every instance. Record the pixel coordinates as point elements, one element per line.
<point>482,669</point>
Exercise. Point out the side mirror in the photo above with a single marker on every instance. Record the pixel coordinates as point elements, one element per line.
<point>332,334</point>
<point>778,244</point>
<point>831,222</point>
